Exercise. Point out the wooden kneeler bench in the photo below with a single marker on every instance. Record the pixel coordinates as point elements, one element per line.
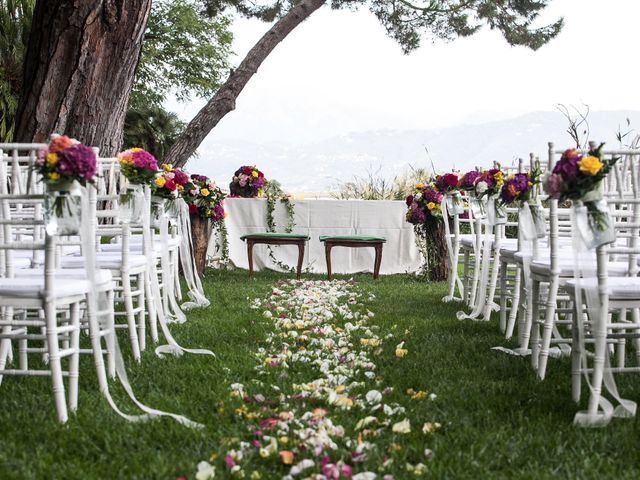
<point>276,239</point>
<point>353,241</point>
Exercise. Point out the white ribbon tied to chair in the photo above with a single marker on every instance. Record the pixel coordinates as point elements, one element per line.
<point>195,292</point>
<point>584,268</point>
<point>481,294</point>
<point>452,250</point>
<point>97,305</point>
<point>172,346</point>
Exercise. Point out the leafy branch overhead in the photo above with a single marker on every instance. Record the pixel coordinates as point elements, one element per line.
<point>184,53</point>
<point>408,22</point>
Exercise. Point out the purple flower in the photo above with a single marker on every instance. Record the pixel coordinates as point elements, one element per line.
<point>553,185</point>
<point>432,195</point>
<point>180,177</point>
<point>567,167</point>
<point>469,179</point>
<point>218,212</point>
<point>77,161</point>
<point>416,214</point>
<point>144,160</point>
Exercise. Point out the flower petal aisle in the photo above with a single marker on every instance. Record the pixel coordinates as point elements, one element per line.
<point>317,407</point>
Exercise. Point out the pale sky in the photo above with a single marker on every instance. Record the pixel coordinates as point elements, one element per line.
<point>338,72</point>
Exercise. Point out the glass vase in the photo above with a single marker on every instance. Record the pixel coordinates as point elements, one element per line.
<point>478,207</point>
<point>454,203</point>
<point>62,209</point>
<point>496,212</point>
<point>131,204</point>
<point>595,224</point>
<point>158,210</point>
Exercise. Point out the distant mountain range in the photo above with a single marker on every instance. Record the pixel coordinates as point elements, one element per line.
<point>320,166</point>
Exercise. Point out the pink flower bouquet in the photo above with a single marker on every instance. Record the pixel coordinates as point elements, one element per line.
<point>138,165</point>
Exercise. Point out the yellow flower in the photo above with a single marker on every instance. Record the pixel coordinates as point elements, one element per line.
<point>431,205</point>
<point>254,174</point>
<point>420,186</point>
<point>260,192</point>
<point>166,167</point>
<point>420,395</point>
<point>204,192</point>
<point>52,159</point>
<point>135,149</point>
<point>400,350</point>
<point>590,165</point>
<point>54,176</point>
<point>160,181</point>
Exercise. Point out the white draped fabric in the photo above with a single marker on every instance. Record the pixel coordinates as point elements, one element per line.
<point>325,217</point>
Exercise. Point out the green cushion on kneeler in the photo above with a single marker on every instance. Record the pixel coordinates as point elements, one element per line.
<point>355,238</point>
<point>274,235</point>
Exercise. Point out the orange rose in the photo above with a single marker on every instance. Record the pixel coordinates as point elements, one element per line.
<point>59,143</point>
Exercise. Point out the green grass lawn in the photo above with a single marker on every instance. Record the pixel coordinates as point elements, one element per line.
<point>498,420</point>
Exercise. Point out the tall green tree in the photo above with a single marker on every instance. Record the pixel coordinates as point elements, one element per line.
<point>184,54</point>
<point>406,21</point>
<point>15,22</point>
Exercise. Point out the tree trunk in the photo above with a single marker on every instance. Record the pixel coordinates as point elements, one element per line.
<point>201,229</point>
<point>437,254</point>
<point>79,70</point>
<point>224,101</point>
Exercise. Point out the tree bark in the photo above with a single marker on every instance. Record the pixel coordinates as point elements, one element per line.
<point>201,229</point>
<point>79,70</point>
<point>224,101</point>
<point>437,254</point>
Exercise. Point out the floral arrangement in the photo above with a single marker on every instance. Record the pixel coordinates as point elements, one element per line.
<point>138,165</point>
<point>204,197</point>
<point>489,183</point>
<point>447,183</point>
<point>169,182</point>
<point>575,175</point>
<point>425,201</point>
<point>247,182</point>
<point>468,181</point>
<point>66,160</point>
<point>518,187</point>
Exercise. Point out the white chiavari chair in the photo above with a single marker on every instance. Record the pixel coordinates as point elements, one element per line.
<point>59,300</point>
<point>601,325</point>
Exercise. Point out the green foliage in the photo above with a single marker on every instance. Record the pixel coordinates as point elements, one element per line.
<point>15,22</point>
<point>184,53</point>
<point>409,21</point>
<point>152,128</point>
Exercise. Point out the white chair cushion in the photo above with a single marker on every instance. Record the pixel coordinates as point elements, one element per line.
<point>566,267</point>
<point>28,287</point>
<point>619,288</point>
<point>102,276</point>
<point>109,260</point>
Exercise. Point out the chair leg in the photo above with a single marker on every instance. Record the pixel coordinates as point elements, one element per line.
<point>111,336</point>
<point>530,315</point>
<point>96,346</point>
<point>576,353</point>
<point>327,253</point>
<point>54,362</point>
<point>74,359</point>
<point>600,338</point>
<point>549,320</point>
<point>465,276</point>
<point>147,298</point>
<point>515,302</point>
<point>503,297</point>
<point>131,321</point>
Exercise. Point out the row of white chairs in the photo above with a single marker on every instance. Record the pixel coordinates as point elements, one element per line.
<point>54,287</point>
<point>558,296</point>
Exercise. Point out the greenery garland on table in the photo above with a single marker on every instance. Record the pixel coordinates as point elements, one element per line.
<point>274,193</point>
<point>222,244</point>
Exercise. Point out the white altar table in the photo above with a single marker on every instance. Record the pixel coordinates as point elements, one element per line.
<point>325,217</point>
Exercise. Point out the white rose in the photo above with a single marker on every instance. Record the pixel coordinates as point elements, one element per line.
<point>481,187</point>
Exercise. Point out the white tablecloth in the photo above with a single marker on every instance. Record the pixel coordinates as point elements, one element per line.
<point>325,217</point>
